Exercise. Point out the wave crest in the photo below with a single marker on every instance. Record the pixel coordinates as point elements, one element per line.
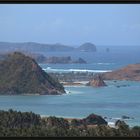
<point>49,69</point>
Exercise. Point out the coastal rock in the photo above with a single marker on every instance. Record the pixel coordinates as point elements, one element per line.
<point>97,81</point>
<point>94,119</point>
<point>130,72</point>
<point>121,124</point>
<point>20,74</point>
<point>125,117</point>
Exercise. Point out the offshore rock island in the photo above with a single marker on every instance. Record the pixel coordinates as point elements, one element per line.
<point>97,81</point>
<point>20,74</point>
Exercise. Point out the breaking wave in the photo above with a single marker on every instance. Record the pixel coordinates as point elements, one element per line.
<point>49,69</point>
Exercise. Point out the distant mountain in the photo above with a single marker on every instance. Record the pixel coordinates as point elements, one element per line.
<point>33,47</point>
<point>87,47</point>
<point>20,74</point>
<point>130,72</point>
<point>38,47</point>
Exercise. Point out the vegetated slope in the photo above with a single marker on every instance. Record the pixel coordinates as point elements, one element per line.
<point>20,74</point>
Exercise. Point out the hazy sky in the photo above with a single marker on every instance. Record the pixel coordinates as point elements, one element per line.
<point>71,24</point>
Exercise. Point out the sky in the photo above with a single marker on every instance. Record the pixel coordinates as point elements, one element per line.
<point>71,24</point>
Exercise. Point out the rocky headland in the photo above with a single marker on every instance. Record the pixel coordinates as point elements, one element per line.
<point>130,72</point>
<point>20,74</point>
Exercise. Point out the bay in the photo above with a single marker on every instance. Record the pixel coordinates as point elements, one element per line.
<point>111,102</point>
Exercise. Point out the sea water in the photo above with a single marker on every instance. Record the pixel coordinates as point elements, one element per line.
<point>80,101</point>
<point>112,101</point>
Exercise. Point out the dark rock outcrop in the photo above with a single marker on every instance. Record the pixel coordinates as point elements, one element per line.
<point>130,72</point>
<point>92,119</point>
<point>97,81</point>
<point>20,74</point>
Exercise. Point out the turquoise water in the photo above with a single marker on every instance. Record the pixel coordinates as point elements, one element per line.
<point>110,101</point>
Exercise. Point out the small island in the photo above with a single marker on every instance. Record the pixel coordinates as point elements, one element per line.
<point>97,81</point>
<point>87,47</point>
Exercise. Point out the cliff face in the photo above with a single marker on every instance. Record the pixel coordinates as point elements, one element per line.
<point>130,72</point>
<point>20,74</point>
<point>97,81</point>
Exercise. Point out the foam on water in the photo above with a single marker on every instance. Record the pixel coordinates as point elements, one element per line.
<point>49,69</point>
<point>105,63</point>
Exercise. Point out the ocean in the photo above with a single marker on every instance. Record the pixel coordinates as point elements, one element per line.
<point>111,102</point>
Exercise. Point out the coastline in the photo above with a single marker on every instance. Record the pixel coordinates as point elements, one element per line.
<point>76,83</point>
<point>69,119</point>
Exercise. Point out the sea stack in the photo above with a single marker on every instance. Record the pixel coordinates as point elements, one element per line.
<point>20,74</point>
<point>97,81</point>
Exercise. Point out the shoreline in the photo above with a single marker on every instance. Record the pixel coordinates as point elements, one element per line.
<point>110,121</point>
<point>69,119</point>
<point>76,83</point>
